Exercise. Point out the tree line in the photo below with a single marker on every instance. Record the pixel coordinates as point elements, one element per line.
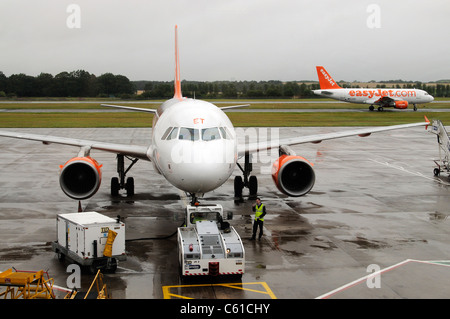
<point>228,89</point>
<point>81,83</point>
<point>78,83</point>
<point>265,89</point>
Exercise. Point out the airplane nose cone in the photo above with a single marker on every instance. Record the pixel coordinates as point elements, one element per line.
<point>203,167</point>
<point>202,178</point>
<point>431,98</point>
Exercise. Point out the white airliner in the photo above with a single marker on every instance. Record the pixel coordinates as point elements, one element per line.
<point>194,146</point>
<point>396,98</point>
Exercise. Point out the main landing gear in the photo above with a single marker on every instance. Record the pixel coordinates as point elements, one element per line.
<point>118,183</point>
<point>251,182</point>
<point>380,108</point>
<point>371,108</point>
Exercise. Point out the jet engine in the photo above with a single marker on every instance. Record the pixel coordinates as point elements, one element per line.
<point>80,177</point>
<point>401,104</point>
<point>293,175</point>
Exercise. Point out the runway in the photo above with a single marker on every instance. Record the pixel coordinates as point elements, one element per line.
<point>374,226</point>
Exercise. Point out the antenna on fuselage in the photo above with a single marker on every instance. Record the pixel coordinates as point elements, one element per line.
<point>177,83</point>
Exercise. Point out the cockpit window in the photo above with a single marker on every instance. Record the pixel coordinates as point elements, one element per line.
<point>188,134</point>
<point>173,134</point>
<point>210,134</point>
<point>225,133</point>
<point>191,134</point>
<point>166,133</point>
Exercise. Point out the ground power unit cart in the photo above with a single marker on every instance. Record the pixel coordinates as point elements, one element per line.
<point>90,239</point>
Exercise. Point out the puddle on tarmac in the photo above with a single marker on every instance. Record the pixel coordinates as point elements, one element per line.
<point>365,243</point>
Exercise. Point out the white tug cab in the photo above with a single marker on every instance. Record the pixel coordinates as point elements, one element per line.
<point>208,245</point>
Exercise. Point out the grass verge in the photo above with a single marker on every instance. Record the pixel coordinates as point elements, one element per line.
<point>244,119</point>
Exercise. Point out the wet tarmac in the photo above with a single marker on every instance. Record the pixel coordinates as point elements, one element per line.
<point>375,224</point>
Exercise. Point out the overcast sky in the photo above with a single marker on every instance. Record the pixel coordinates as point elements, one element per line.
<point>229,39</point>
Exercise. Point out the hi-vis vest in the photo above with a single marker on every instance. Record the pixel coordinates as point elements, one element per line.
<point>258,211</point>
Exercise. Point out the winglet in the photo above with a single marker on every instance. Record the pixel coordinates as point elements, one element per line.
<point>177,83</point>
<point>428,121</point>
<point>325,80</point>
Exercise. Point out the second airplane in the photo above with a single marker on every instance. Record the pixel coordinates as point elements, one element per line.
<point>396,98</point>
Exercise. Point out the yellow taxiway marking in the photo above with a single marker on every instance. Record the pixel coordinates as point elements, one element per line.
<point>266,289</point>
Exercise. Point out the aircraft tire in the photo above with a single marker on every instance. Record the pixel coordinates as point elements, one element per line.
<point>130,186</point>
<point>238,186</point>
<point>253,186</point>
<point>115,186</point>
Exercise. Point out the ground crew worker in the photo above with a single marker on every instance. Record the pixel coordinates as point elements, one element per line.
<point>260,211</point>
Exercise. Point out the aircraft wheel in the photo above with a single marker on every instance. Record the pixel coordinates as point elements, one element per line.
<point>115,186</point>
<point>130,186</point>
<point>253,186</point>
<point>238,185</point>
<point>415,108</point>
<point>371,108</point>
<point>380,108</point>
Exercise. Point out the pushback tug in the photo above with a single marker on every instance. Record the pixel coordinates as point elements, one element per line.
<point>208,245</point>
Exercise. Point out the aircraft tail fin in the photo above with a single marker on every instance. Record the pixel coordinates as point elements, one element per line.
<point>177,83</point>
<point>325,80</point>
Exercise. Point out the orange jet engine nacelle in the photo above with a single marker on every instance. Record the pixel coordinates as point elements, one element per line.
<point>401,104</point>
<point>80,177</point>
<point>293,175</point>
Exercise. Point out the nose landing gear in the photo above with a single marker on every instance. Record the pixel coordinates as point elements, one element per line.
<point>118,183</point>
<point>251,182</point>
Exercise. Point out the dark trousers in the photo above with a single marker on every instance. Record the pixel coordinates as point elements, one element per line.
<point>257,223</point>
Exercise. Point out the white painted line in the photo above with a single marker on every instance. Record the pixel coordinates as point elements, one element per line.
<point>444,263</point>
<point>365,278</point>
<point>401,168</point>
<point>360,280</point>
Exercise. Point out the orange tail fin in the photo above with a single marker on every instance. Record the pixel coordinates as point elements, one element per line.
<point>325,80</point>
<point>177,83</point>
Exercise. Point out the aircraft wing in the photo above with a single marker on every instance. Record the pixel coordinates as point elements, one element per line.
<point>233,107</point>
<point>129,108</point>
<point>123,149</point>
<point>317,138</point>
<point>385,99</point>
<point>138,109</point>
